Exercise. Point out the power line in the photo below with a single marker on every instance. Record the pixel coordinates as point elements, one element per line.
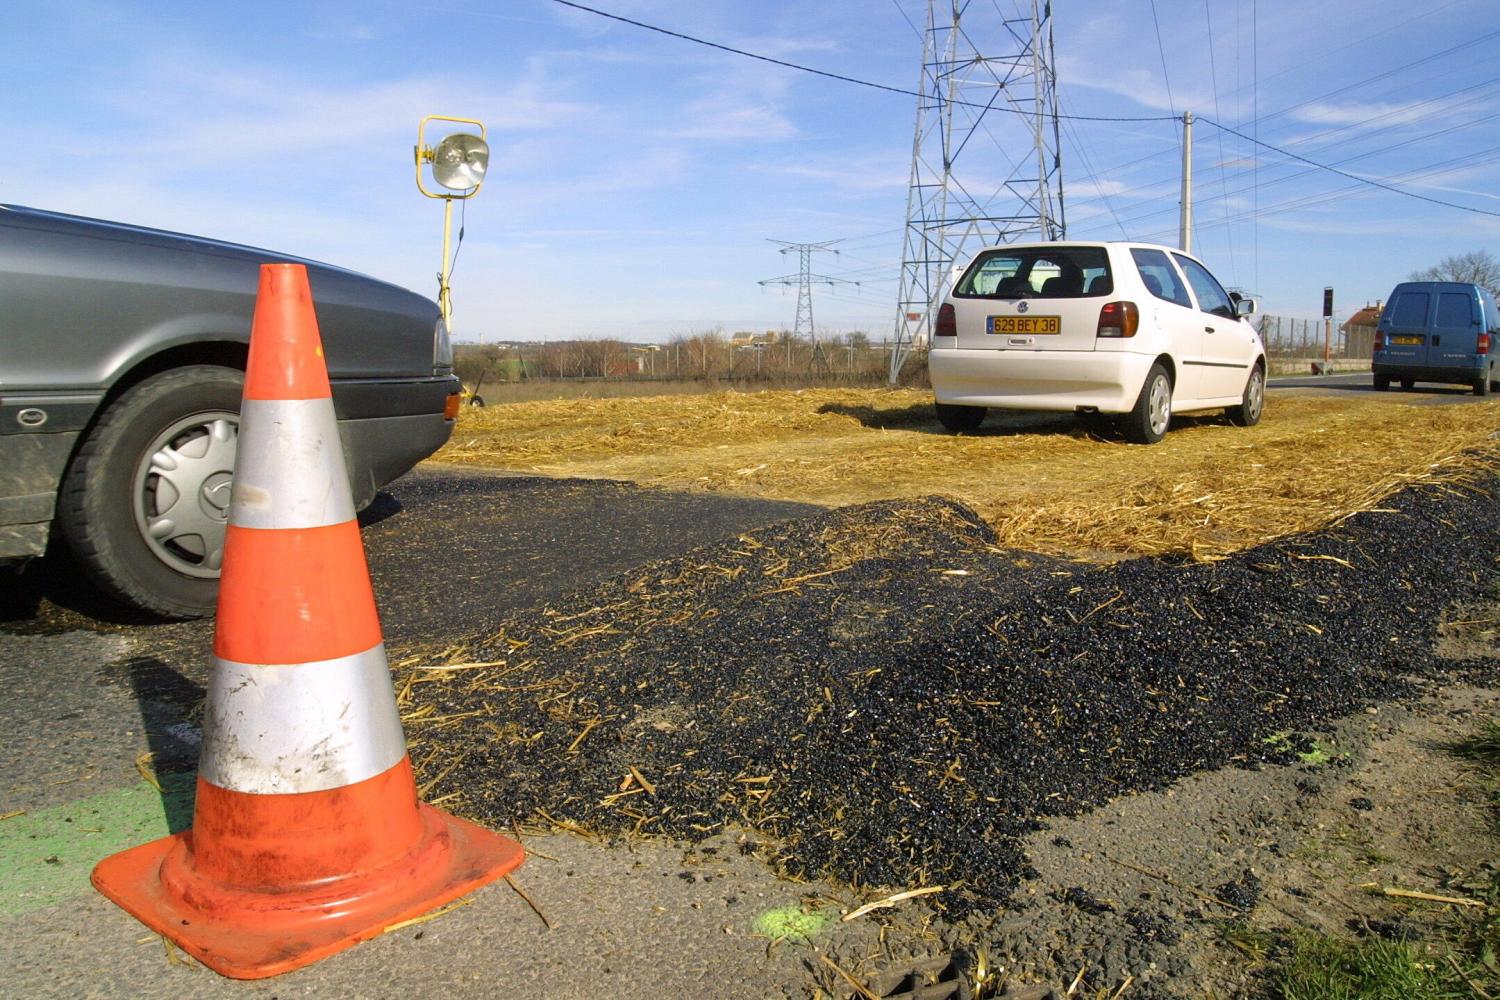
<point>1345,173</point>
<point>1161,50</point>
<point>1254,171</point>
<point>1143,216</point>
<point>833,76</point>
<point>1213,71</point>
<point>1325,197</point>
<point>1257,118</point>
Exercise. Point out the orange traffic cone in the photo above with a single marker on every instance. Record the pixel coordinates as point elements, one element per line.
<point>307,834</point>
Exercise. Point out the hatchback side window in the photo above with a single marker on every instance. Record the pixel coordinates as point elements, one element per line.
<point>1159,276</point>
<point>1211,295</point>
<point>1455,310</point>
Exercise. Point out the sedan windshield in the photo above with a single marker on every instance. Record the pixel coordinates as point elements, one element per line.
<point>1037,272</point>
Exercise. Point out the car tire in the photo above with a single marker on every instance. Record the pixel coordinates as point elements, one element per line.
<point>1382,383</point>
<point>476,400</point>
<point>116,505</point>
<point>1482,385</point>
<point>1408,384</point>
<point>1148,420</point>
<point>1252,401</point>
<point>960,418</point>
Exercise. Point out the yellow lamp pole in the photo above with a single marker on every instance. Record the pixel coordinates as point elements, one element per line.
<point>458,162</point>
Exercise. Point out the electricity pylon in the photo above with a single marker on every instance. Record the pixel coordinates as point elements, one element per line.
<point>804,281</point>
<point>989,89</point>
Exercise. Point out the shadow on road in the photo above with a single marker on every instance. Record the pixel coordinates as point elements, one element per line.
<point>998,423</point>
<point>169,702</point>
<point>56,580</point>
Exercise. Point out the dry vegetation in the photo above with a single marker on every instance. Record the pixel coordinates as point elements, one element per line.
<point>1042,481</point>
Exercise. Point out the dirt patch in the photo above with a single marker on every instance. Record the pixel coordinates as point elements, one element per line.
<point>1186,890</point>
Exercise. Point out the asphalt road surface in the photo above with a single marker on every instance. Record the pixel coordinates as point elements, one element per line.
<point>1422,394</point>
<point>90,689</point>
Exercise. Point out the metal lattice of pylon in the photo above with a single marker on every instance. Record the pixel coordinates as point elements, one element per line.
<point>989,99</point>
<point>804,280</point>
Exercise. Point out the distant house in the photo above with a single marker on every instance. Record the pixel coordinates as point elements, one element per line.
<point>1359,331</point>
<point>1368,316</point>
<point>747,340</point>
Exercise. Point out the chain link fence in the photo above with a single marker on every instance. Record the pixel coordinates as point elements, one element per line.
<point>1293,345</point>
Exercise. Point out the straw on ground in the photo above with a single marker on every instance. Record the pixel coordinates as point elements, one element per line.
<point>1041,481</point>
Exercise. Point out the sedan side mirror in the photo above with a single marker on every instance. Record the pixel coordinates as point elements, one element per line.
<point>1244,307</point>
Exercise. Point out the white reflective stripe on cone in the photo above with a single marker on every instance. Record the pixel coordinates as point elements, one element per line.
<point>303,727</point>
<point>276,437</point>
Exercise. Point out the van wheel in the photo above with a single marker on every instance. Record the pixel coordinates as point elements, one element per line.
<point>144,503</point>
<point>1247,414</point>
<point>1408,384</point>
<point>959,418</point>
<point>1482,387</point>
<point>1148,420</point>
<point>1382,383</point>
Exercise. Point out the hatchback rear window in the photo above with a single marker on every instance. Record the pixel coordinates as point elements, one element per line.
<point>1037,273</point>
<point>1408,309</point>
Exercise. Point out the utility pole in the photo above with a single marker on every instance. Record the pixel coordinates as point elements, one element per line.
<point>804,281</point>
<point>1185,226</point>
<point>976,62</point>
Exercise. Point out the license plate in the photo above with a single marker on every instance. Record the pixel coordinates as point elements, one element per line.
<point>1024,324</point>
<point>1407,341</point>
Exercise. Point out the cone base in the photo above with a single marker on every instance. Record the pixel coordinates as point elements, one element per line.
<point>257,935</point>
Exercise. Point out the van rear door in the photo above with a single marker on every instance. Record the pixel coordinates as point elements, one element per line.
<point>1406,327</point>
<point>1454,342</point>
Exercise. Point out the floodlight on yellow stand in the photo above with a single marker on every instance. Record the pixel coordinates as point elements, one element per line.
<point>458,162</point>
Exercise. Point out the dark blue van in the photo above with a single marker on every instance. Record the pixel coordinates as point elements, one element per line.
<point>1437,331</point>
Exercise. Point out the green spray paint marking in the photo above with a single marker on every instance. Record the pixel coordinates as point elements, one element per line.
<point>790,923</point>
<point>47,855</point>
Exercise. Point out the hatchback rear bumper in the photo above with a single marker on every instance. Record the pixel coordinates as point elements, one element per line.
<point>1108,381</point>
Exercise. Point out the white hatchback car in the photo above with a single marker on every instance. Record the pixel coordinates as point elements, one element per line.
<point>1125,329</point>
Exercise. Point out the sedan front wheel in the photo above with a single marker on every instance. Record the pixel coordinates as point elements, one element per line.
<point>145,502</point>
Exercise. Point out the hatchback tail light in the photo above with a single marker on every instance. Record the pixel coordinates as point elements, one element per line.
<point>1118,319</point>
<point>947,322</point>
<point>1379,340</point>
<point>1483,346</point>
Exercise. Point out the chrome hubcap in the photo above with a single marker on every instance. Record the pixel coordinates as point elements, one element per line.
<point>181,494</point>
<point>1161,405</point>
<point>1255,395</point>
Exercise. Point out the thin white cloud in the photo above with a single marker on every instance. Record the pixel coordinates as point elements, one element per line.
<point>723,119</point>
<point>1401,113</point>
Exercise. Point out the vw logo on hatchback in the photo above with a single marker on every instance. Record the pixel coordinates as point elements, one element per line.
<point>1022,307</point>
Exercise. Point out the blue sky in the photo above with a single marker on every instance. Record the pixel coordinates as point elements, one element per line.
<point>636,179</point>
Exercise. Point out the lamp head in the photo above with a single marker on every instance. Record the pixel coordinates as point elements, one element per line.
<point>460,161</point>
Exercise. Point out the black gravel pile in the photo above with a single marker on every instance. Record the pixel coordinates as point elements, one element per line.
<point>880,695</point>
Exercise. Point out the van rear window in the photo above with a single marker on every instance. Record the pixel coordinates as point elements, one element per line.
<point>1455,310</point>
<point>1409,309</point>
<point>1037,272</point>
